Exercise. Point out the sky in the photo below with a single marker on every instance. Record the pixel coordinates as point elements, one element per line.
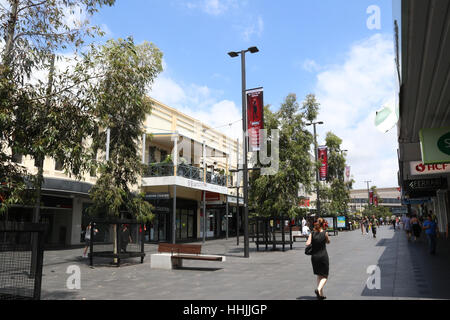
<point>323,47</point>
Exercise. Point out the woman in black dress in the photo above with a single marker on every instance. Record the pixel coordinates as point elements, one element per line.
<point>319,258</point>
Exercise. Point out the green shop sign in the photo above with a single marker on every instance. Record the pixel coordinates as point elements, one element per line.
<point>435,145</point>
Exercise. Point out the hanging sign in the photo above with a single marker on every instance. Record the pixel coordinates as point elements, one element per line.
<point>323,159</point>
<point>255,118</point>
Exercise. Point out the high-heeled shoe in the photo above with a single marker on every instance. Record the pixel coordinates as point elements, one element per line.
<point>317,294</point>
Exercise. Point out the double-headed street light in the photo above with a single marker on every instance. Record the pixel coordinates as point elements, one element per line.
<point>234,54</point>
<point>316,156</point>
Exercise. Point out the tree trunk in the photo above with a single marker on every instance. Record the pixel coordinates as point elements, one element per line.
<point>11,29</point>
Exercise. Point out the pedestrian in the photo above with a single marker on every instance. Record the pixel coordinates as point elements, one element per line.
<point>87,237</point>
<point>432,231</point>
<point>407,226</point>
<point>362,226</point>
<point>320,262</point>
<point>373,225</point>
<point>366,224</point>
<point>125,238</point>
<point>415,227</point>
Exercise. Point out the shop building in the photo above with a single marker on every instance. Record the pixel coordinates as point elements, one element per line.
<point>173,182</point>
<point>422,45</point>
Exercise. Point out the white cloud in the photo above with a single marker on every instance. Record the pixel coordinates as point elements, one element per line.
<point>200,102</point>
<point>311,66</point>
<point>256,28</point>
<point>212,7</point>
<point>350,93</point>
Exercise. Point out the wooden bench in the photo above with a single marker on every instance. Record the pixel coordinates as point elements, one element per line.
<point>171,256</point>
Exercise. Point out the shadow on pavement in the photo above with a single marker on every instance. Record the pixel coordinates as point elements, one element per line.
<point>198,269</point>
<point>409,271</point>
<point>306,298</point>
<point>58,295</point>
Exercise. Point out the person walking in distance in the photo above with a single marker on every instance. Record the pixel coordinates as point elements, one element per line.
<point>431,230</point>
<point>87,238</point>
<point>320,262</point>
<point>374,225</point>
<point>362,226</point>
<point>125,238</point>
<point>407,226</point>
<point>366,224</point>
<point>415,227</point>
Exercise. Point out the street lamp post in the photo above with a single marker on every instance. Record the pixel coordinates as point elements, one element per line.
<point>244,128</point>
<point>316,156</point>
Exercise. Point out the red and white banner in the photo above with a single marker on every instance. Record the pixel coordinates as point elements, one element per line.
<point>323,159</point>
<point>371,197</point>
<point>255,118</point>
<point>347,174</point>
<point>375,199</point>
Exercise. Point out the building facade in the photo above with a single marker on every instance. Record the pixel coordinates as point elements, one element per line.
<point>188,168</point>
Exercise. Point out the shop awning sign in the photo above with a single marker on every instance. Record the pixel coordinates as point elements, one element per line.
<point>418,168</point>
<point>435,145</point>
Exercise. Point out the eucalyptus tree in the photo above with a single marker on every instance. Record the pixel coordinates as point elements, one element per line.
<point>336,192</point>
<point>44,111</point>
<point>277,194</point>
<point>121,106</point>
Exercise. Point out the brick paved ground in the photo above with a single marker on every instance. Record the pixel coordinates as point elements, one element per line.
<point>407,272</point>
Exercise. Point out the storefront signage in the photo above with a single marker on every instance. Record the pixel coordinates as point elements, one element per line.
<point>435,145</point>
<point>426,184</point>
<point>323,159</point>
<point>341,222</point>
<point>157,196</point>
<point>305,203</point>
<point>211,196</point>
<point>419,168</point>
<point>255,118</point>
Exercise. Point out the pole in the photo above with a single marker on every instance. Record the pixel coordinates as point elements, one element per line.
<point>238,183</point>
<point>244,127</point>
<point>317,171</point>
<point>204,193</point>
<point>226,212</point>
<point>174,215</point>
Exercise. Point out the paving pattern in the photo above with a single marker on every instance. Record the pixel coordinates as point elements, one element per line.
<point>407,271</point>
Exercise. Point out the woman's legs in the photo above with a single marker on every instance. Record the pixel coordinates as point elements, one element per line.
<point>321,281</point>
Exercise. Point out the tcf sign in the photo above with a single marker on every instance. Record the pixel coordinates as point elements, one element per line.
<point>419,168</point>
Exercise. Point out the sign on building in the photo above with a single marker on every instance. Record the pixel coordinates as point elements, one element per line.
<point>435,145</point>
<point>418,168</point>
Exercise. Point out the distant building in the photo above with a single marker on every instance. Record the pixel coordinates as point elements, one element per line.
<point>387,197</point>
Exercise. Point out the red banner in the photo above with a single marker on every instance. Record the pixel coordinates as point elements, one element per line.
<point>376,201</point>
<point>255,118</point>
<point>371,197</point>
<point>323,159</point>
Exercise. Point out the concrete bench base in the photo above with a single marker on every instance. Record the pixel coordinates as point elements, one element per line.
<point>168,262</point>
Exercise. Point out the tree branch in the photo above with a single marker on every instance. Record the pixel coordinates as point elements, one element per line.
<point>32,5</point>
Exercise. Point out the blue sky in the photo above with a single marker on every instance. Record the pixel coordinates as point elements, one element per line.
<point>322,47</point>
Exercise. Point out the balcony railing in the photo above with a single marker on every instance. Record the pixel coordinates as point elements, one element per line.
<point>158,170</point>
<point>185,171</point>
<point>190,172</point>
<point>217,179</point>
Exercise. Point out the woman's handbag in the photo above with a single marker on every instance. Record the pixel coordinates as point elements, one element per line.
<point>308,250</point>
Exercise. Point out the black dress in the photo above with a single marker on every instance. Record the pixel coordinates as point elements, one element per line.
<point>319,256</point>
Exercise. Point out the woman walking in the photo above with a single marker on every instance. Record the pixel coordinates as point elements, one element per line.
<point>319,258</point>
<point>416,228</point>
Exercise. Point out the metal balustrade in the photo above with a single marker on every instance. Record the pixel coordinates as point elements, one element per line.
<point>185,171</point>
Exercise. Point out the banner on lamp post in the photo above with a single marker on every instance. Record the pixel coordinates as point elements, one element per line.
<point>375,199</point>
<point>347,174</point>
<point>323,159</point>
<point>371,197</point>
<point>255,118</point>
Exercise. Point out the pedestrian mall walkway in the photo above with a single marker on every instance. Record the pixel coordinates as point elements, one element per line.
<point>407,271</point>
